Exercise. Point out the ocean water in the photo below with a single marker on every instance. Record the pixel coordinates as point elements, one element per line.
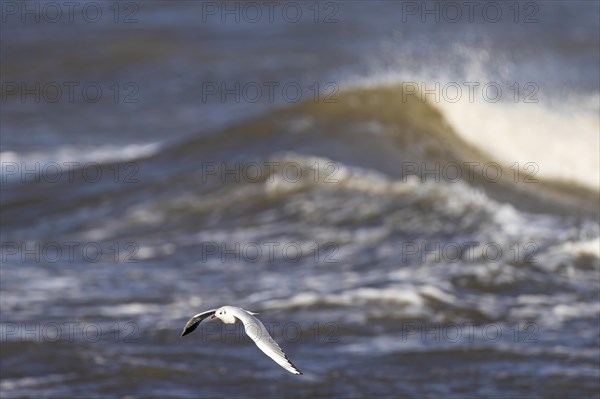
<point>409,197</point>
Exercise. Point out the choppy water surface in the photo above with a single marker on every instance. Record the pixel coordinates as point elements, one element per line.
<point>396,244</point>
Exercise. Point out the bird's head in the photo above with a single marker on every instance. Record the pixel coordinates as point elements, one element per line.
<point>224,314</point>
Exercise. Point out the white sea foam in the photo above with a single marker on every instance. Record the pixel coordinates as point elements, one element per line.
<point>584,247</point>
<point>560,144</point>
<point>560,135</point>
<point>10,384</point>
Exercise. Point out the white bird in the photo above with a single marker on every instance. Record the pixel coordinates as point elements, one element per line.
<point>253,327</point>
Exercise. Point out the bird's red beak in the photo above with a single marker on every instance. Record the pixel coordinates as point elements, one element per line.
<point>213,316</point>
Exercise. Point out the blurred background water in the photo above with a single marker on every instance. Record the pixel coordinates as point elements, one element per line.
<point>415,215</point>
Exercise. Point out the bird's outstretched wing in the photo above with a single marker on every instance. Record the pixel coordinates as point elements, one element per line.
<point>259,334</point>
<point>195,321</point>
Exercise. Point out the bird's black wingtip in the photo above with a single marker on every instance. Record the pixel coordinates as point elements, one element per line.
<point>195,321</point>
<point>189,328</point>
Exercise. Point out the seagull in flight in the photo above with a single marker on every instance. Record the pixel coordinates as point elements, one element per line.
<point>253,327</point>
